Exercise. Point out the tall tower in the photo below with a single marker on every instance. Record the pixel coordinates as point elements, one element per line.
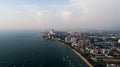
<point>92,40</point>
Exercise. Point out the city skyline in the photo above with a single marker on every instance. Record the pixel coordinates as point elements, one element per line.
<point>59,14</point>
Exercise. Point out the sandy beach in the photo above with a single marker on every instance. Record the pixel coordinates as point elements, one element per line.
<point>78,54</point>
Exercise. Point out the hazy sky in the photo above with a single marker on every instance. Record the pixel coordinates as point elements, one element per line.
<point>60,14</point>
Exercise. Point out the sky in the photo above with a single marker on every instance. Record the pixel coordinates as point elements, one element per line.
<point>59,14</point>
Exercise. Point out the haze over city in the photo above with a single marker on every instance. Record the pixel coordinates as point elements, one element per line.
<point>59,33</point>
<point>59,14</point>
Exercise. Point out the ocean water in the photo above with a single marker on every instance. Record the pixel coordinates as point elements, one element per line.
<point>30,49</point>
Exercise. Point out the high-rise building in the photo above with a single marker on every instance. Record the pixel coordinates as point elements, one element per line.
<point>52,32</point>
<point>92,40</point>
<point>118,40</point>
<point>68,39</point>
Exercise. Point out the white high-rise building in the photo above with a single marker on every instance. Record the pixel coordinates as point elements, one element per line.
<point>73,39</point>
<point>52,32</point>
<point>118,40</point>
<point>68,39</point>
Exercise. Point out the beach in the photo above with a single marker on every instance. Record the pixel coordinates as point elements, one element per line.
<point>78,54</point>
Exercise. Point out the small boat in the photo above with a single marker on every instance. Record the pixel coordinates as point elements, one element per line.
<point>63,58</point>
<point>14,66</point>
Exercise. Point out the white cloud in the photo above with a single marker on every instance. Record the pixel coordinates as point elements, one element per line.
<point>79,4</point>
<point>95,14</point>
<point>22,18</point>
<point>98,14</point>
<point>66,15</point>
<point>38,15</point>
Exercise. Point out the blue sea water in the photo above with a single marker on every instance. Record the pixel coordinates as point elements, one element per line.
<point>30,49</point>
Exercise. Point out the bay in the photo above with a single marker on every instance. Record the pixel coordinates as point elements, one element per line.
<point>30,49</point>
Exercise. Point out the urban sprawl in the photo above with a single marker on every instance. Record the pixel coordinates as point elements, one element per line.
<point>101,49</point>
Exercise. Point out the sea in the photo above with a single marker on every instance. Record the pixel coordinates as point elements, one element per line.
<point>30,49</point>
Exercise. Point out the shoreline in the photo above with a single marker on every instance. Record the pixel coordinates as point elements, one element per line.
<point>78,54</point>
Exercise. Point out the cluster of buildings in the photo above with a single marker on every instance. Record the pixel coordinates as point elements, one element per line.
<point>102,49</point>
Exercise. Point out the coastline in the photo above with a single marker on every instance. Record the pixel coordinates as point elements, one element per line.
<point>78,54</point>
